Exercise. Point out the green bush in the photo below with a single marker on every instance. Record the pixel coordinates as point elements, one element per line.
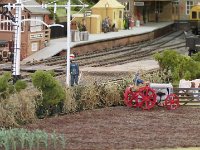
<point>19,85</point>
<point>52,92</point>
<point>5,88</point>
<point>4,81</point>
<point>196,57</point>
<point>181,66</point>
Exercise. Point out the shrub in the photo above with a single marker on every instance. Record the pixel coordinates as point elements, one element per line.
<point>20,85</point>
<point>18,108</point>
<point>100,95</point>
<point>90,97</point>
<point>113,95</point>
<point>52,92</point>
<point>196,57</point>
<point>70,103</point>
<point>4,85</point>
<point>179,65</point>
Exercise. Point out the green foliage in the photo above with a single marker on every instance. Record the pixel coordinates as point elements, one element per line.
<point>7,88</point>
<point>20,85</point>
<point>168,59</point>
<point>4,81</point>
<point>181,67</point>
<point>62,11</point>
<point>52,91</point>
<point>196,57</point>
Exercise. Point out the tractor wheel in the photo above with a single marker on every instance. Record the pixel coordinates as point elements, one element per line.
<point>146,98</point>
<point>129,97</point>
<point>172,102</point>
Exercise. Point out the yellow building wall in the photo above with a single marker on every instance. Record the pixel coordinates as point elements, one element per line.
<point>166,15</point>
<point>93,23</point>
<point>112,13</point>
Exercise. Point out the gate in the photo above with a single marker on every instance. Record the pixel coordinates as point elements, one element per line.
<point>188,96</point>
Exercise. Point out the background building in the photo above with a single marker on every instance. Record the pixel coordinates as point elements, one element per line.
<point>158,10</point>
<point>35,35</point>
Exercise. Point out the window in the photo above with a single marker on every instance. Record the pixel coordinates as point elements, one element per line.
<point>7,26</point>
<point>189,5</point>
<point>120,14</point>
<point>194,15</point>
<point>159,7</point>
<point>127,6</point>
<point>34,46</point>
<point>36,25</point>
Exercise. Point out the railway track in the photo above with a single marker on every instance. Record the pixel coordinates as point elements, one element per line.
<point>109,57</point>
<point>126,54</point>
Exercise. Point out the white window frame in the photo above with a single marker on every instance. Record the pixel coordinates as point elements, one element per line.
<point>4,25</point>
<point>127,6</point>
<point>36,26</point>
<point>188,6</point>
<point>34,46</point>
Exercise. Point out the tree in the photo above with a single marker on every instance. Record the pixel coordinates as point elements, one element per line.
<point>181,66</point>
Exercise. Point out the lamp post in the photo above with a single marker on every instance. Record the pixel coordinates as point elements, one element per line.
<point>106,6</point>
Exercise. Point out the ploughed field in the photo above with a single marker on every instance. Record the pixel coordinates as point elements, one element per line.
<point>126,128</point>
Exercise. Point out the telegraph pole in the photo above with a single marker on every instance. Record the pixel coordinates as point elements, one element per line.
<point>17,43</point>
<point>19,6</point>
<point>68,42</point>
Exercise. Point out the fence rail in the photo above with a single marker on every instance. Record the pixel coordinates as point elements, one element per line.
<point>188,96</point>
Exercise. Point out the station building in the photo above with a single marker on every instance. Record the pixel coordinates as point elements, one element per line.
<point>158,10</point>
<point>35,35</point>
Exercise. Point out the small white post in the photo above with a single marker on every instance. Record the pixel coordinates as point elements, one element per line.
<point>68,41</point>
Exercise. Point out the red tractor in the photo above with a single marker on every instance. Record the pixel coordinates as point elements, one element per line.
<point>153,94</point>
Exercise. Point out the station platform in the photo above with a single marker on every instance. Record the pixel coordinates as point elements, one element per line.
<point>57,45</point>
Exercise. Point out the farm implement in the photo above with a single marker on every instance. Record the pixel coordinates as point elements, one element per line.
<point>150,95</point>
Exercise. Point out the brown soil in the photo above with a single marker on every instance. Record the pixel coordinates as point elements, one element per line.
<point>127,128</point>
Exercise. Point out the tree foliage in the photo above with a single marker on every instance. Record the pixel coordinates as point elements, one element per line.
<point>61,2</point>
<point>181,66</point>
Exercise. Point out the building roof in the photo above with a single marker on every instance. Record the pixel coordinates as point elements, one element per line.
<point>35,10</point>
<point>109,4</point>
